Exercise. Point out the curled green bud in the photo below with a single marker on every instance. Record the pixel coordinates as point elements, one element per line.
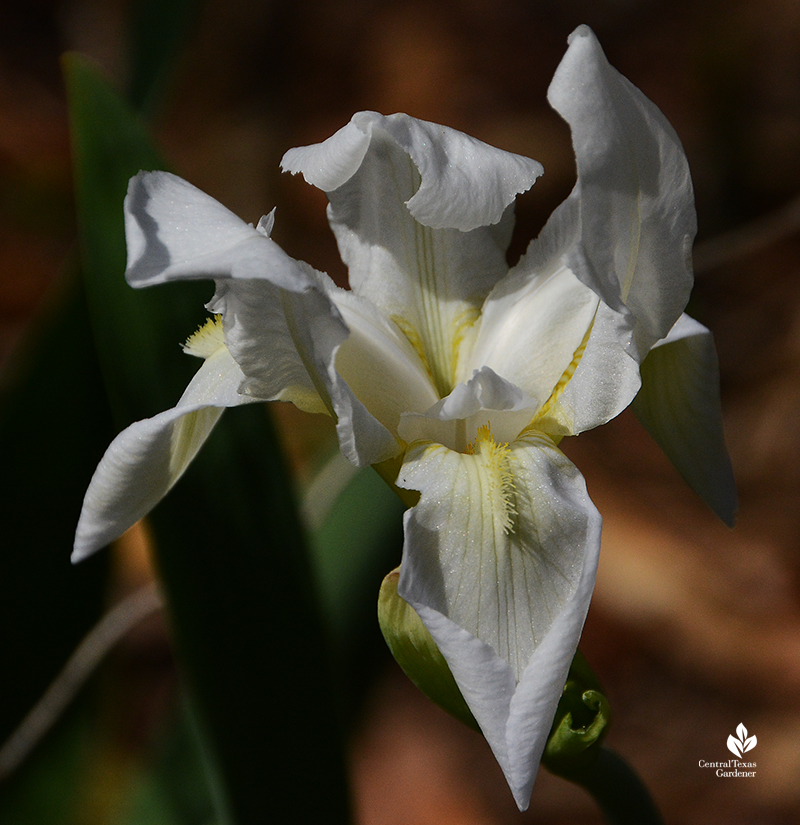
<point>417,654</point>
<point>580,724</point>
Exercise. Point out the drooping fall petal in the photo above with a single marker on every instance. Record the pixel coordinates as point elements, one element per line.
<point>499,562</point>
<point>144,461</point>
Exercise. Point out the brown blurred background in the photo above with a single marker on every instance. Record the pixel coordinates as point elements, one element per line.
<point>694,628</point>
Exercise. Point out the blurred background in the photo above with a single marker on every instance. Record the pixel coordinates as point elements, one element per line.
<point>694,628</point>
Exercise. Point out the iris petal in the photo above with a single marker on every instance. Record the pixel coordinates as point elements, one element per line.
<point>531,326</point>
<point>144,461</point>
<point>679,404</point>
<point>634,193</point>
<point>176,232</point>
<point>423,222</point>
<point>499,562</point>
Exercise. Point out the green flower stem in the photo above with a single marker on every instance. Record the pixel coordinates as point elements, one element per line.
<point>617,789</point>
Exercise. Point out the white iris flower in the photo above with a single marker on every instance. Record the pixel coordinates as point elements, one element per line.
<point>451,371</point>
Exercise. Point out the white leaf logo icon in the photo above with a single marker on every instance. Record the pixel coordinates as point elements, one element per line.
<point>734,746</point>
<point>743,744</point>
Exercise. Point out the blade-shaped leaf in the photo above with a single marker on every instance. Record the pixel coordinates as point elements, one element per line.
<point>174,788</point>
<point>158,28</point>
<point>54,421</point>
<point>354,544</point>
<point>44,789</point>
<point>137,332</point>
<point>229,545</point>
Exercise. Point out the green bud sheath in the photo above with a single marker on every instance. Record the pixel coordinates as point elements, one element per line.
<point>417,654</point>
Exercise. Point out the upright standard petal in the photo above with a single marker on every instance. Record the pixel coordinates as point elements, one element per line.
<point>379,363</point>
<point>464,183</point>
<point>532,325</point>
<point>679,405</point>
<point>634,193</point>
<point>144,461</point>
<point>603,376</point>
<point>423,231</point>
<point>499,562</point>
<point>598,385</point>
